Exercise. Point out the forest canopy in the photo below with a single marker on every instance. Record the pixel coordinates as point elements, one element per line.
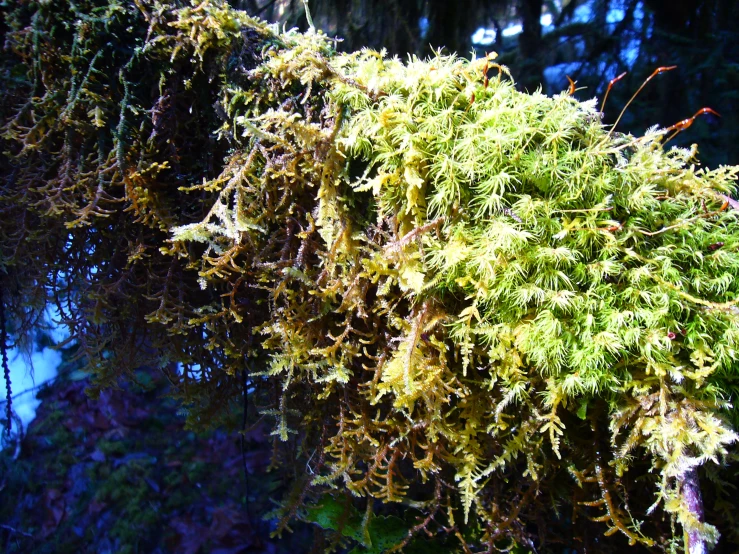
<point>480,311</point>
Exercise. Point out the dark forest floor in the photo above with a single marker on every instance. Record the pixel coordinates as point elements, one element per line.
<point>121,474</point>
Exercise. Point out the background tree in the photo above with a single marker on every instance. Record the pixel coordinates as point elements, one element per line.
<point>594,41</point>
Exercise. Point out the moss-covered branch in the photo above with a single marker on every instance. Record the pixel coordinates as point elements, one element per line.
<point>436,282</point>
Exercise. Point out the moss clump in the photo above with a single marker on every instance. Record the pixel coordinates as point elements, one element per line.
<point>448,294</point>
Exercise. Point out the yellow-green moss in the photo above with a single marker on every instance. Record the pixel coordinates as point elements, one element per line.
<point>431,277</point>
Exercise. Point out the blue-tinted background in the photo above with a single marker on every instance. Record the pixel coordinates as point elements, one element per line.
<point>592,41</point>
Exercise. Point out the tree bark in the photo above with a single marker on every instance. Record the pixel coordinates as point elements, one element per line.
<point>529,43</point>
<point>691,493</point>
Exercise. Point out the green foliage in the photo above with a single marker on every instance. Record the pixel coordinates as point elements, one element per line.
<point>375,534</point>
<point>448,294</point>
<point>122,475</point>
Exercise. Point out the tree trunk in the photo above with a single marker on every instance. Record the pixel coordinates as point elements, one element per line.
<point>529,43</point>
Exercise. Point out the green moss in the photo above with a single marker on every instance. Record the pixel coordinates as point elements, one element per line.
<point>112,448</point>
<point>447,294</point>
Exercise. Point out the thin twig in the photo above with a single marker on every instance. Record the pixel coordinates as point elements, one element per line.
<point>14,530</point>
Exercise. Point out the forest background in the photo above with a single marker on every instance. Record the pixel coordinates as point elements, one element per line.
<point>544,41</point>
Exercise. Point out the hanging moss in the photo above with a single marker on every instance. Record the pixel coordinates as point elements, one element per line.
<point>447,294</point>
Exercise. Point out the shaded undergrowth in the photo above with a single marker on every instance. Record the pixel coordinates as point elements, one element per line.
<point>122,474</point>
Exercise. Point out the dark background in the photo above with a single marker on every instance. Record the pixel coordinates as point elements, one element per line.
<point>592,41</point>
